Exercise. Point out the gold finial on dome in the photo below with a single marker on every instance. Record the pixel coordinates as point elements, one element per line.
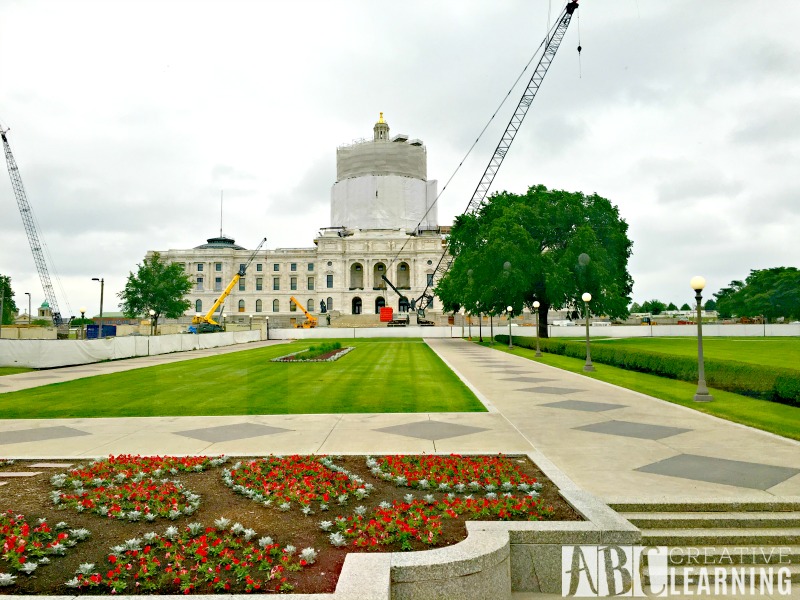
<point>380,120</point>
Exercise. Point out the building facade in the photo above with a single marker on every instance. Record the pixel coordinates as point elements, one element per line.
<point>383,222</point>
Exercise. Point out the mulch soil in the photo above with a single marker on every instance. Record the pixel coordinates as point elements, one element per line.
<point>30,496</point>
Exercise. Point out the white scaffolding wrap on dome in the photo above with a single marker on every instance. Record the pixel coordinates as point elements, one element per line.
<point>384,202</point>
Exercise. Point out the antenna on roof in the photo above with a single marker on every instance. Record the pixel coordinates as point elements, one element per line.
<point>220,212</point>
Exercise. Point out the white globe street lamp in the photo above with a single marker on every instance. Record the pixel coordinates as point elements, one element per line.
<point>536,306</point>
<point>587,297</point>
<point>510,310</point>
<point>698,283</point>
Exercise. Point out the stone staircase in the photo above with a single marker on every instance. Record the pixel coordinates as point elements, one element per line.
<point>750,540</point>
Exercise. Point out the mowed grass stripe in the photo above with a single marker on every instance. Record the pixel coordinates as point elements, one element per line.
<point>378,376</point>
<point>770,351</point>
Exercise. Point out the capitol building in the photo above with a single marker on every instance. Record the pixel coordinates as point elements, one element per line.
<point>383,222</point>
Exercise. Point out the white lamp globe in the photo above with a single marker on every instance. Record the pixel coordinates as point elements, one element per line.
<point>587,297</point>
<point>698,283</point>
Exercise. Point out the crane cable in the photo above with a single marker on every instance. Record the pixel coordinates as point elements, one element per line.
<point>475,143</point>
<point>580,76</point>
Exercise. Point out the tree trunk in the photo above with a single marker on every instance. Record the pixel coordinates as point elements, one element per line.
<point>543,310</point>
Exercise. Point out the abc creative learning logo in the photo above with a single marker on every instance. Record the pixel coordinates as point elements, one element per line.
<point>658,571</point>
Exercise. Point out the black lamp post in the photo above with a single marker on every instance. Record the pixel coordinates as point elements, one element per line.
<point>587,297</point>
<point>267,319</point>
<point>510,310</point>
<point>536,306</point>
<point>102,285</point>
<point>83,322</point>
<point>702,395</point>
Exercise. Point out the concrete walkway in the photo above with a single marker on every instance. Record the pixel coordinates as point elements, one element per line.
<point>610,441</point>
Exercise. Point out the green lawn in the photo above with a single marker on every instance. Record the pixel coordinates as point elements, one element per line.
<point>13,370</point>
<point>770,351</point>
<point>780,419</point>
<point>378,376</point>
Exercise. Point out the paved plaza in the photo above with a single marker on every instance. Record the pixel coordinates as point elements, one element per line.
<point>612,442</point>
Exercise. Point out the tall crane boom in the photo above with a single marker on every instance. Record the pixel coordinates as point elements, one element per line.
<point>207,324</point>
<point>30,228</point>
<point>552,43</point>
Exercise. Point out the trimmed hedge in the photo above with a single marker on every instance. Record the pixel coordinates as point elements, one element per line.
<point>758,381</point>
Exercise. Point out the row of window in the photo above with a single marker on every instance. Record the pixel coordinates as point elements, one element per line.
<point>276,305</point>
<point>259,267</point>
<point>356,305</point>
<point>276,283</point>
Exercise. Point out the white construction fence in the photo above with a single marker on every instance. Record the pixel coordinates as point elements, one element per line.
<point>46,354</point>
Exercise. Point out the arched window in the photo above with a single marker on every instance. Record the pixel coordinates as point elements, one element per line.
<point>377,280</point>
<point>310,305</point>
<point>356,305</point>
<point>276,306</point>
<point>379,304</point>
<point>329,304</point>
<point>198,306</point>
<point>258,305</point>
<point>402,306</point>
<point>403,276</point>
<point>292,306</point>
<point>356,276</point>
<point>241,305</point>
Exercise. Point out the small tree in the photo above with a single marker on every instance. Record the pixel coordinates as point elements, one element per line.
<point>156,286</point>
<point>635,308</point>
<point>654,307</point>
<point>9,306</point>
<point>671,306</point>
<point>685,306</point>
<point>711,305</point>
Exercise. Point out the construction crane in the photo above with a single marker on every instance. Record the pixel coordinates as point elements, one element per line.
<point>30,228</point>
<point>206,323</point>
<point>311,320</point>
<point>551,44</point>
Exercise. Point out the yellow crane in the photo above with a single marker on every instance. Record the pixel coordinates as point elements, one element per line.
<point>311,320</point>
<point>206,323</point>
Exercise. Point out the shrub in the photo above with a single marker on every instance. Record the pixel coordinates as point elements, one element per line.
<point>768,383</point>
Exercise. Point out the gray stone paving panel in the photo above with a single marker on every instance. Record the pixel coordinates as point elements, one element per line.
<point>228,433</point>
<point>49,465</point>
<point>40,434</point>
<point>28,377</point>
<point>431,430</point>
<point>544,389</point>
<point>757,476</point>
<point>528,379</point>
<point>644,431</point>
<point>584,406</point>
<point>19,473</point>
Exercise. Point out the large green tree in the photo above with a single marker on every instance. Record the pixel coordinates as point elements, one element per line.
<point>9,306</point>
<point>157,286</point>
<point>549,246</point>
<point>772,293</point>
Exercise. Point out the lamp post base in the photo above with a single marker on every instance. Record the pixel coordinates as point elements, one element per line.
<point>698,397</point>
<point>588,367</point>
<point>538,353</point>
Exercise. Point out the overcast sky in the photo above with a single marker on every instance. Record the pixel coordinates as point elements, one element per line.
<point>128,118</point>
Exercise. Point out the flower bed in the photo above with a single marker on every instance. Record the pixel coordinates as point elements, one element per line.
<point>131,487</point>
<point>327,356</point>
<point>24,548</point>
<point>277,481</point>
<point>453,473</point>
<point>245,541</point>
